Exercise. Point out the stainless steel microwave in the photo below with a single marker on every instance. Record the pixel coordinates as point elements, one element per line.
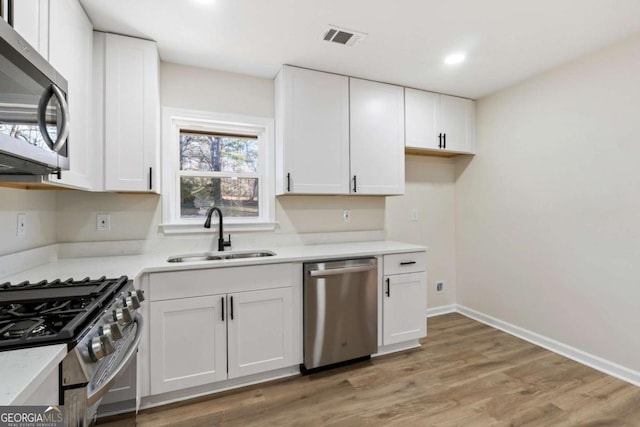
<point>34,115</point>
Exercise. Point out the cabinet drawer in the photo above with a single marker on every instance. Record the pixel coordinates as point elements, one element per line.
<point>212,281</point>
<point>409,262</point>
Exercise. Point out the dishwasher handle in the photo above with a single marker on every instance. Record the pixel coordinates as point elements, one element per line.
<point>344,270</point>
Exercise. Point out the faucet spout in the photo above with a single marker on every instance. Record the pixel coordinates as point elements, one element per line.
<point>207,224</point>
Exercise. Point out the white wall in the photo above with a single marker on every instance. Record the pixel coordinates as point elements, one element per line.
<point>429,188</point>
<point>183,86</point>
<point>40,208</point>
<point>137,216</point>
<point>547,214</point>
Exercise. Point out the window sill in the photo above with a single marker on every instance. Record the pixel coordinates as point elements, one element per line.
<point>228,227</point>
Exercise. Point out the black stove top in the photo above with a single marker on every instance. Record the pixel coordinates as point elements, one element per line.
<point>43,313</point>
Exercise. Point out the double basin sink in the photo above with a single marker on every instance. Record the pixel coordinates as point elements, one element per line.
<point>219,256</point>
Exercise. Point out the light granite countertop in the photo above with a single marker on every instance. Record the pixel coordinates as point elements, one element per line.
<point>134,266</point>
<point>22,371</point>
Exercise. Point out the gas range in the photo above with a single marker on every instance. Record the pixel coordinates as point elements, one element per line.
<point>44,313</point>
<point>98,320</point>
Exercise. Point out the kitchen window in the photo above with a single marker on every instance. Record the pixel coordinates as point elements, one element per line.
<point>216,160</point>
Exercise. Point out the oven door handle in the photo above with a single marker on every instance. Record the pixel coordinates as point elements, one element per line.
<point>98,394</point>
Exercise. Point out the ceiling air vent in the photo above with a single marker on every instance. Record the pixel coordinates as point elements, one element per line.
<point>342,36</point>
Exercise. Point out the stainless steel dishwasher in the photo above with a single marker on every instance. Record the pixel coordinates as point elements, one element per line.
<point>340,311</point>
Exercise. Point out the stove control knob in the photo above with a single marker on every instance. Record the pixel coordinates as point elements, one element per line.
<point>99,347</point>
<point>122,315</point>
<point>131,302</point>
<point>138,294</point>
<point>111,331</point>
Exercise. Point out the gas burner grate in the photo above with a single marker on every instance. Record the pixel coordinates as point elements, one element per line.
<point>45,312</point>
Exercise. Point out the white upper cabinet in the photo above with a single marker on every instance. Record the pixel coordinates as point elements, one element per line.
<point>338,135</point>
<point>61,32</point>
<point>457,122</point>
<point>312,132</point>
<point>421,109</point>
<point>31,21</point>
<point>377,138</point>
<point>70,53</point>
<point>127,87</point>
<point>441,123</point>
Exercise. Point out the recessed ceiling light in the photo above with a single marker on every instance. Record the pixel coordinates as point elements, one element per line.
<point>204,1</point>
<point>455,58</point>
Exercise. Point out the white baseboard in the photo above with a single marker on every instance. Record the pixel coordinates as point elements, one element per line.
<point>443,309</point>
<point>595,362</point>
<point>394,348</point>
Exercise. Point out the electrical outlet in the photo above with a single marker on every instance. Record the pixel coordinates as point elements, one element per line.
<point>440,287</point>
<point>414,214</point>
<point>103,222</point>
<point>346,216</point>
<point>22,224</point>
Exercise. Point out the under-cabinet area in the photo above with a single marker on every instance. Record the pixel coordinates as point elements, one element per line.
<point>212,329</point>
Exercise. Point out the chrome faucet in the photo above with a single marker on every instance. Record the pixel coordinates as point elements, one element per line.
<point>207,224</point>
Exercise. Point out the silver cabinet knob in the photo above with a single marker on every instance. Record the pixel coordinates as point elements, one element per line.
<point>122,316</point>
<point>99,347</point>
<point>138,294</point>
<point>111,331</point>
<point>131,302</point>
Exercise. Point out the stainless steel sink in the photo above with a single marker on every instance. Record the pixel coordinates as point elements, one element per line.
<point>258,254</point>
<point>217,256</point>
<point>195,257</point>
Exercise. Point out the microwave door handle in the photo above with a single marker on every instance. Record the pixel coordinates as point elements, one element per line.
<point>53,90</point>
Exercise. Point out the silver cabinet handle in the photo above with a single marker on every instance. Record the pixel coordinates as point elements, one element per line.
<point>51,91</point>
<point>335,271</point>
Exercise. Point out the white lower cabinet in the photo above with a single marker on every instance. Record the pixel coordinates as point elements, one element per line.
<point>260,335</point>
<point>404,308</point>
<point>188,343</point>
<point>404,298</point>
<point>201,340</point>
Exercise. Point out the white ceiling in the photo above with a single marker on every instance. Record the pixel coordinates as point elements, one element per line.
<point>506,40</point>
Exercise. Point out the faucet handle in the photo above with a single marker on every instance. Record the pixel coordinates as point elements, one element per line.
<point>227,243</point>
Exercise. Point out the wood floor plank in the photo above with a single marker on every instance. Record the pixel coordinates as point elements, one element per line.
<point>464,374</point>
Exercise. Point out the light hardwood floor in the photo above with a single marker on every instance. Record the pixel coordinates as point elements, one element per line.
<point>465,374</point>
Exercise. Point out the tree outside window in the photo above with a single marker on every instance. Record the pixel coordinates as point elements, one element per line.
<point>220,170</point>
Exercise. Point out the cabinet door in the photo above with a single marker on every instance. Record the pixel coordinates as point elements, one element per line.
<point>131,114</point>
<point>456,121</point>
<point>404,307</point>
<point>260,331</point>
<point>421,110</point>
<point>70,53</point>
<point>31,21</point>
<point>313,136</point>
<point>187,343</point>
<point>377,138</point>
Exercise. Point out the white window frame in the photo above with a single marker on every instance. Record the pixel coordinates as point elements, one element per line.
<point>175,119</point>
